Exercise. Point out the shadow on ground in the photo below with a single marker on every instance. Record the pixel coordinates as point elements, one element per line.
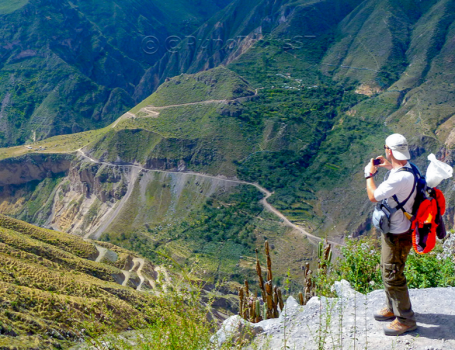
<point>435,326</point>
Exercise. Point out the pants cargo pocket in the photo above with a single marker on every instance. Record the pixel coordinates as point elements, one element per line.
<point>390,273</point>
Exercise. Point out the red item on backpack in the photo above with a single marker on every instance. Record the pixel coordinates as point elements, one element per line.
<point>426,221</point>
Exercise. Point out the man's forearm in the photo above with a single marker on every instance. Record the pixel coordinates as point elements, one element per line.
<point>371,187</point>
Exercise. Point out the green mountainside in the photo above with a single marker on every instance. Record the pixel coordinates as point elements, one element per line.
<point>156,205</point>
<point>238,138</point>
<point>74,66</point>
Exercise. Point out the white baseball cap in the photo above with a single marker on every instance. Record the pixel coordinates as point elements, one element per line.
<point>399,146</point>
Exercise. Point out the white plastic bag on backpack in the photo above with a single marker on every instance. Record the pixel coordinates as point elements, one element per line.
<point>437,171</point>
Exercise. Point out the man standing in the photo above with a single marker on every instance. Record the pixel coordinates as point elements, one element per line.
<point>399,186</point>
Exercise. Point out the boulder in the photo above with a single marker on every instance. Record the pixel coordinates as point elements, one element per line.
<point>235,329</point>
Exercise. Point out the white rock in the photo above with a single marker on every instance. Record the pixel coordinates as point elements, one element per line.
<point>313,301</point>
<point>344,289</point>
<point>290,308</point>
<point>235,327</point>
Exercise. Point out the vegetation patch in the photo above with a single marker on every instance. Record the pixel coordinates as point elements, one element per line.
<point>216,84</point>
<point>8,6</point>
<point>52,295</point>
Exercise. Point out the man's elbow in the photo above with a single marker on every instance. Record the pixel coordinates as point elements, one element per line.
<point>371,198</point>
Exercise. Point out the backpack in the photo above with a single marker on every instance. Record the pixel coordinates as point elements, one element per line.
<point>427,223</point>
<point>426,217</point>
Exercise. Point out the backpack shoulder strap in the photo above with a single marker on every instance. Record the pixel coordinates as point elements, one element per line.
<point>402,204</point>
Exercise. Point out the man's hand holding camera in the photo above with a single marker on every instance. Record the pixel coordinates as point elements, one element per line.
<point>372,167</point>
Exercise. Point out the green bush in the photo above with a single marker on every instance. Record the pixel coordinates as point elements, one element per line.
<point>429,270</point>
<point>360,263</point>
<point>360,266</point>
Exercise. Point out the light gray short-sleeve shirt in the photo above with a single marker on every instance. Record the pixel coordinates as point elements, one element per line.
<point>399,183</point>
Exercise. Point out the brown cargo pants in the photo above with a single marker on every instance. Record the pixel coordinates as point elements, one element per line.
<point>394,252</point>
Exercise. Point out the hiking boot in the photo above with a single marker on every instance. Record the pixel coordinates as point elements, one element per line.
<point>383,315</point>
<point>397,328</point>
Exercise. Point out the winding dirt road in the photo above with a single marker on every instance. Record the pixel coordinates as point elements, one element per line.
<point>125,198</point>
<point>139,262</point>
<point>154,110</point>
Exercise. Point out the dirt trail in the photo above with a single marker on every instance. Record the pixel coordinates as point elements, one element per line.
<point>127,115</point>
<point>102,253</point>
<point>153,110</point>
<point>189,104</point>
<point>127,277</point>
<point>133,178</point>
<point>141,263</point>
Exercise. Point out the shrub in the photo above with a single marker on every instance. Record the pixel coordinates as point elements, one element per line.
<point>360,266</point>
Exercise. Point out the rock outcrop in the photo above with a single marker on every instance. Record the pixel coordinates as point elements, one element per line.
<point>347,322</point>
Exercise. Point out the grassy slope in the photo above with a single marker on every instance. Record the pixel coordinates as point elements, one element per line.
<point>270,140</point>
<point>57,144</point>
<point>50,291</point>
<point>8,6</point>
<point>208,225</point>
<point>218,84</point>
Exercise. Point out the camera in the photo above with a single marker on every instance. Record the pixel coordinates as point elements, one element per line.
<point>377,161</point>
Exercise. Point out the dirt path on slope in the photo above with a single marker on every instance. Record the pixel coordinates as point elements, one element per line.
<point>141,263</point>
<point>102,253</point>
<point>127,277</point>
<point>263,201</point>
<point>152,109</point>
<point>190,104</point>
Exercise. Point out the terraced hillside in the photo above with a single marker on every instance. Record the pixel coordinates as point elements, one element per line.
<point>54,286</point>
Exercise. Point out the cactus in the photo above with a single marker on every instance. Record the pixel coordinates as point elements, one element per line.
<point>275,303</point>
<point>259,273</point>
<point>269,296</point>
<point>250,307</point>
<point>325,256</point>
<point>280,299</point>
<point>241,302</point>
<point>269,261</point>
<point>258,310</point>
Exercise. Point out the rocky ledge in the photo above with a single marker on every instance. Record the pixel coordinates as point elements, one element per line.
<point>347,322</point>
